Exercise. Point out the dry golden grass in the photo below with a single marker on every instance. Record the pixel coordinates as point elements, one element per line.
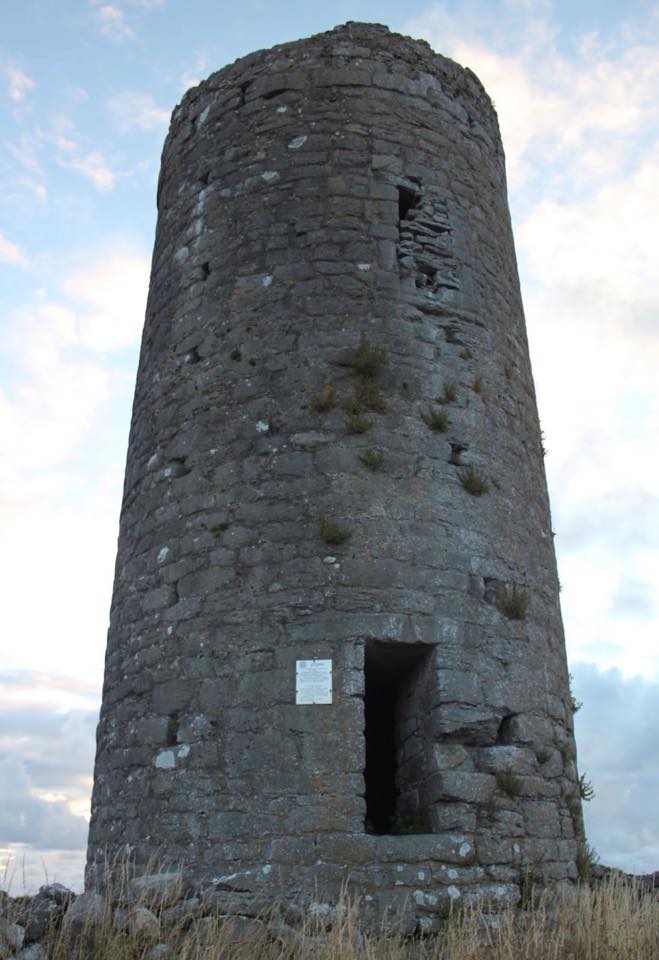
<point>615,921</point>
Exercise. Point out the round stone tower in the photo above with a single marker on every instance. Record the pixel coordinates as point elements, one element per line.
<point>335,650</point>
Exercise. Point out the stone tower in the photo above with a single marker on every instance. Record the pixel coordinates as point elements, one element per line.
<point>335,650</point>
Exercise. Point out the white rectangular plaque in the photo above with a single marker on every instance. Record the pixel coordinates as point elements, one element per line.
<point>313,681</point>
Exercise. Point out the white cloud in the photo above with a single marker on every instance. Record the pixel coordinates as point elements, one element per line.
<point>19,83</point>
<point>11,253</point>
<point>24,869</point>
<point>27,818</point>
<point>111,295</point>
<point>600,250</point>
<point>60,462</point>
<point>38,189</point>
<point>581,135</point>
<point>111,21</point>
<point>26,151</point>
<point>55,345</point>
<point>41,690</point>
<point>59,396</point>
<point>134,109</point>
<point>47,742</point>
<point>621,820</point>
<point>195,72</point>
<point>94,167</point>
<point>551,106</point>
<point>59,531</point>
<point>70,151</point>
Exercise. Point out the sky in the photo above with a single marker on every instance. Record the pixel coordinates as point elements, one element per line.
<point>86,91</point>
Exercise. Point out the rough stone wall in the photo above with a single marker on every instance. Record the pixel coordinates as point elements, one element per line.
<point>334,254</point>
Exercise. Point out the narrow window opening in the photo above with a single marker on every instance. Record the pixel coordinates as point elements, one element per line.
<point>171,732</point>
<point>271,94</point>
<point>505,731</point>
<point>243,91</point>
<point>203,179</point>
<point>407,200</point>
<point>394,711</point>
<point>205,270</point>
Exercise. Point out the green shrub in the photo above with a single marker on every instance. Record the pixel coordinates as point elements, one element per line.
<point>356,423</point>
<point>587,860</point>
<point>371,458</point>
<point>367,396</point>
<point>365,359</point>
<point>574,704</point>
<point>323,400</point>
<point>331,532</point>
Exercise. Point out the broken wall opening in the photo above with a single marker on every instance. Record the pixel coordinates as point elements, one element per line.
<point>396,677</point>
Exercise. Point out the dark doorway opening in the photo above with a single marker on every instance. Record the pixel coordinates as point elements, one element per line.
<point>407,200</point>
<point>392,697</point>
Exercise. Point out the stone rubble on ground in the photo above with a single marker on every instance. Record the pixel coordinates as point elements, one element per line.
<point>22,926</point>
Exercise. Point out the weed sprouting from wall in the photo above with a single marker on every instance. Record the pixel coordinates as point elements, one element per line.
<point>435,419</point>
<point>356,423</point>
<point>365,360</point>
<point>513,602</point>
<point>371,458</point>
<point>331,532</point>
<point>323,400</point>
<point>448,394</point>
<point>473,481</point>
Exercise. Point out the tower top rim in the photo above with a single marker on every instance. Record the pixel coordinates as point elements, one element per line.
<point>418,49</point>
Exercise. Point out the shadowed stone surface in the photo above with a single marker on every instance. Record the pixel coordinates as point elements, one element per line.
<point>334,252</point>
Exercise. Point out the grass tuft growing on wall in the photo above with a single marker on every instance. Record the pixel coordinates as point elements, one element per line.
<point>330,532</point>
<point>513,602</point>
<point>323,400</point>
<point>435,419</point>
<point>365,360</point>
<point>356,423</point>
<point>372,458</point>
<point>473,481</point>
